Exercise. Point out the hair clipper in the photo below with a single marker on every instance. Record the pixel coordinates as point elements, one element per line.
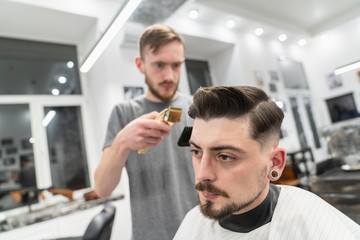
<point>170,115</point>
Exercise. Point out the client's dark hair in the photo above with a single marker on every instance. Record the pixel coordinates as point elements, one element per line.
<point>239,101</point>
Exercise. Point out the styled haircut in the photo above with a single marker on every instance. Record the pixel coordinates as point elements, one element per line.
<point>264,115</point>
<point>156,36</point>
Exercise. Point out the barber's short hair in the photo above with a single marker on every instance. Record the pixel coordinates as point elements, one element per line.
<point>239,101</point>
<point>156,36</point>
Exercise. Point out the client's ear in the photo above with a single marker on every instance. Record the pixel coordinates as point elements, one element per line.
<point>278,159</point>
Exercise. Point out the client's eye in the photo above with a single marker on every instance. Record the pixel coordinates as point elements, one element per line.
<point>196,153</point>
<point>226,158</point>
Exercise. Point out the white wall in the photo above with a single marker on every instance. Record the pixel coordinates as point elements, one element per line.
<point>322,57</point>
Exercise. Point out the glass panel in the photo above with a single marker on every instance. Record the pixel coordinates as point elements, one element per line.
<point>312,121</point>
<point>17,167</point>
<point>293,74</point>
<point>198,74</point>
<point>67,155</point>
<point>299,126</point>
<point>29,67</point>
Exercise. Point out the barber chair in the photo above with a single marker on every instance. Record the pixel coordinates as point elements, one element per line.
<point>100,226</point>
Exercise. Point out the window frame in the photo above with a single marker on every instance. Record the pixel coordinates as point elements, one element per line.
<point>37,103</point>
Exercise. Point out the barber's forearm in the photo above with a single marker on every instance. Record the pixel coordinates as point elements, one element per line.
<point>108,173</point>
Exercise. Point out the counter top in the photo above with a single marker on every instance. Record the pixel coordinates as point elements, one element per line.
<point>51,212</point>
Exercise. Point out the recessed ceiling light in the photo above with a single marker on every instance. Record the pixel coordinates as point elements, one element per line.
<point>70,64</point>
<point>55,92</point>
<point>282,37</point>
<point>302,42</point>
<point>259,31</point>
<point>230,23</point>
<point>62,79</point>
<point>193,13</point>
<point>279,103</point>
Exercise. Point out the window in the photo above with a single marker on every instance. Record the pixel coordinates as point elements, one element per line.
<point>68,162</point>
<point>198,74</point>
<point>35,155</point>
<point>293,74</point>
<point>29,67</point>
<point>17,167</point>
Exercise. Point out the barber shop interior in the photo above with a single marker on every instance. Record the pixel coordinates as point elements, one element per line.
<point>65,64</point>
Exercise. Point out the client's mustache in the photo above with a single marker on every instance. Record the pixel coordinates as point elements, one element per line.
<point>206,186</point>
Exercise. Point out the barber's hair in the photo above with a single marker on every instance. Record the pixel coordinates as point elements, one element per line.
<point>156,36</point>
<point>264,115</point>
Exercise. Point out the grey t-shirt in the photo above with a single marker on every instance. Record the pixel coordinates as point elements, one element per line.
<point>161,180</point>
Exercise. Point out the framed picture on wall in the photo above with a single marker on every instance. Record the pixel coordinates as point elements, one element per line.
<point>272,87</point>
<point>334,81</point>
<point>258,78</point>
<point>274,75</point>
<point>358,75</point>
<point>131,92</point>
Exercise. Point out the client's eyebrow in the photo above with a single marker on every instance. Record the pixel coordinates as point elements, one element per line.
<point>221,147</point>
<point>192,143</point>
<point>227,147</point>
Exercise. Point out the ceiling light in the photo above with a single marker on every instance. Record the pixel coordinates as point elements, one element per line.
<point>282,37</point>
<point>259,31</point>
<point>347,68</point>
<point>302,42</point>
<point>230,23</point>
<point>110,33</point>
<point>62,79</point>
<point>193,13</point>
<point>55,92</point>
<point>47,119</point>
<point>279,103</point>
<point>70,64</point>
<point>324,37</point>
<point>282,57</point>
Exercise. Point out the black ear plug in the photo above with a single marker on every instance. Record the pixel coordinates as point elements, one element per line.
<point>185,137</point>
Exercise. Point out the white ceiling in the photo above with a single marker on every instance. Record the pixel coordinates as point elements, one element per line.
<point>307,16</point>
<point>70,21</point>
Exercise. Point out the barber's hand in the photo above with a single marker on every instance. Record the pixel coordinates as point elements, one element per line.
<point>144,132</point>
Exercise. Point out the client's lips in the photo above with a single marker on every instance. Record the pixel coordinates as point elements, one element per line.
<point>209,196</point>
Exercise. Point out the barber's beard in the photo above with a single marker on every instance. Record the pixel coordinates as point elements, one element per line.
<point>163,98</point>
<point>208,208</point>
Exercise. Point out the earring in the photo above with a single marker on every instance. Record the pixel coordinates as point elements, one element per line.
<point>274,174</point>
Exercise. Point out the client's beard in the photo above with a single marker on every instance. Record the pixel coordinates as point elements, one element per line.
<point>207,209</point>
